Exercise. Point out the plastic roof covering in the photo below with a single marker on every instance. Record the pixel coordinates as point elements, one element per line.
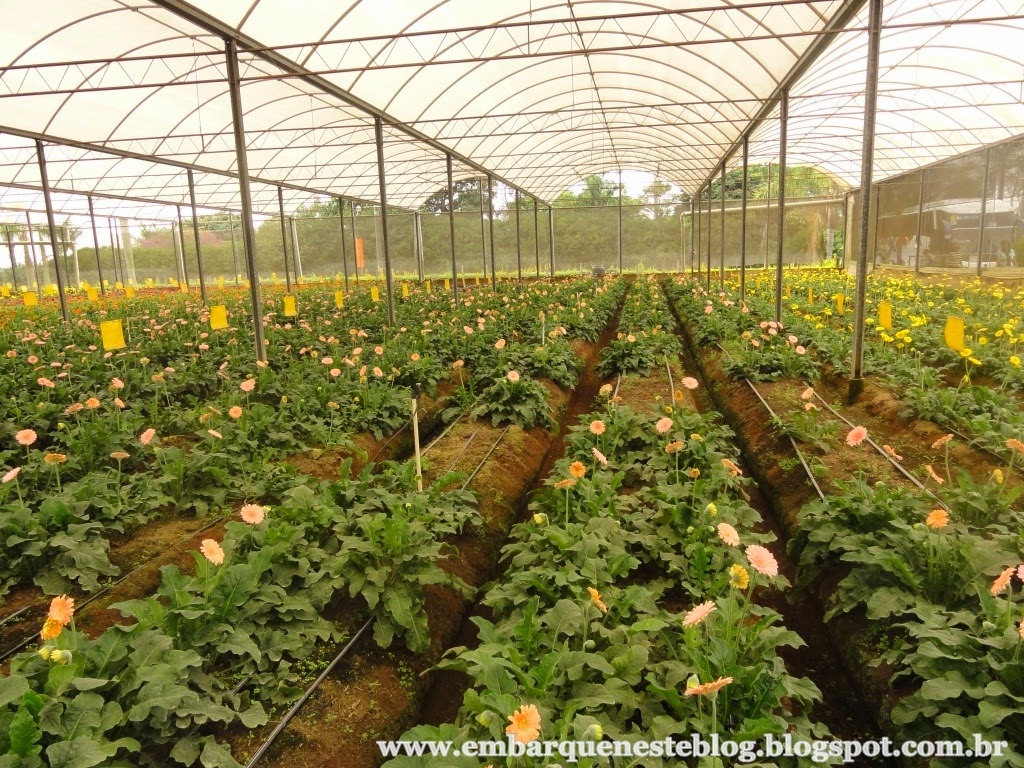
<point>943,91</point>
<point>664,87</point>
<point>447,84</point>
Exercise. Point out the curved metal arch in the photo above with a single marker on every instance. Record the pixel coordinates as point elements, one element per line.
<point>526,136</point>
<point>631,89</point>
<point>417,71</point>
<point>531,65</point>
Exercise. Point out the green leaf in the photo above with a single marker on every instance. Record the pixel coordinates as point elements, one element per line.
<point>216,755</point>
<point>11,689</point>
<point>25,734</point>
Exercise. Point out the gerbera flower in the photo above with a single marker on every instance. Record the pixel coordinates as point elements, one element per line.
<point>856,436</point>
<point>738,577</point>
<point>934,476</point>
<point>524,724</point>
<point>942,441</point>
<point>10,475</point>
<point>731,468</point>
<point>119,455</point>
<point>1015,445</point>
<point>674,446</point>
<point>697,614</point>
<point>577,469</point>
<point>147,437</point>
<point>51,630</point>
<point>937,519</point>
<point>62,609</point>
<point>595,598</point>
<point>892,452</point>
<point>93,402</point>
<point>664,425</point>
<point>512,376</point>
<point>807,394</point>
<point>1002,581</point>
<point>762,560</point>
<point>707,688</point>
<point>690,383</point>
<point>235,412</point>
<point>26,437</point>
<point>55,458</point>
<point>253,514</point>
<point>600,457</point>
<point>728,535</point>
<point>212,551</point>
<point>248,385</point>
<point>563,485</point>
<point>597,427</point>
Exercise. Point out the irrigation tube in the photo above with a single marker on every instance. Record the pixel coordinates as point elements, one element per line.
<point>884,453</point>
<point>305,697</point>
<point>14,649</point>
<point>799,453</point>
<point>485,458</point>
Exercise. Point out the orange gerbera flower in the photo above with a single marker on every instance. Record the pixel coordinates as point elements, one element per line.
<point>937,519</point>
<point>731,468</point>
<point>595,598</point>
<point>62,609</point>
<point>51,630</point>
<point>55,458</point>
<point>577,469</point>
<point>524,724</point>
<point>212,551</point>
<point>564,485</point>
<point>708,688</point>
<point>1002,581</point>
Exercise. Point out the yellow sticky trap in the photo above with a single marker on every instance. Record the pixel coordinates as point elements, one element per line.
<point>289,306</point>
<point>220,282</point>
<point>885,315</point>
<point>810,295</point>
<point>954,333</point>
<point>184,287</point>
<point>129,292</point>
<point>112,334</point>
<point>447,284</point>
<point>5,291</point>
<point>374,294</point>
<point>119,285</point>
<point>405,290</point>
<point>428,286</point>
<point>339,299</point>
<point>840,300</point>
<point>92,294</point>
<point>218,317</point>
<point>478,279</point>
<point>31,298</point>
<point>150,283</point>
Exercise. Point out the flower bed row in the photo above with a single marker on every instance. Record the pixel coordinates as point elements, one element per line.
<point>918,586</point>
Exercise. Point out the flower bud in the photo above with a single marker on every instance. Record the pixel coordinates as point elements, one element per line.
<point>594,733</point>
<point>539,518</point>
<point>487,718</point>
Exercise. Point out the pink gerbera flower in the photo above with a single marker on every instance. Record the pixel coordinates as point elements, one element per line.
<point>697,614</point>
<point>856,436</point>
<point>762,560</point>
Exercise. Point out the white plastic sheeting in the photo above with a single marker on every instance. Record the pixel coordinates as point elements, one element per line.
<point>541,92</point>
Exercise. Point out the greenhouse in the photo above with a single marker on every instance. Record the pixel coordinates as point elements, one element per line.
<point>512,384</point>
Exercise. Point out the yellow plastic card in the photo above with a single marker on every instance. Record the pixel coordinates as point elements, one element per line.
<point>428,286</point>
<point>374,293</point>
<point>289,306</point>
<point>112,334</point>
<point>150,282</point>
<point>339,299</point>
<point>810,295</point>
<point>5,291</point>
<point>218,317</point>
<point>840,302</point>
<point>31,298</point>
<point>92,294</point>
<point>184,287</point>
<point>129,292</point>
<point>885,315</point>
<point>954,333</point>
<point>119,285</point>
<point>447,284</point>
<point>405,290</point>
<point>478,280</point>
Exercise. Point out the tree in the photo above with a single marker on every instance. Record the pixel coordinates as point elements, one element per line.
<point>466,193</point>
